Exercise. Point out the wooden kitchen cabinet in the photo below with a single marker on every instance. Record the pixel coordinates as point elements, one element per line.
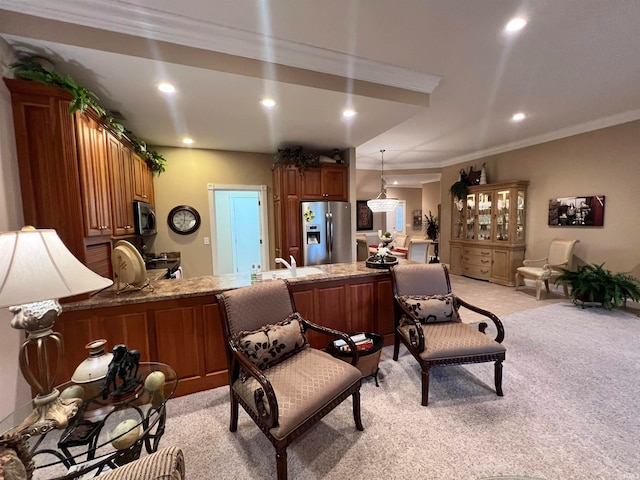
<point>184,333</point>
<point>121,169</point>
<point>353,305</point>
<point>94,175</point>
<point>292,186</point>
<point>142,179</point>
<point>327,182</point>
<point>287,216</point>
<point>76,175</point>
<point>488,232</point>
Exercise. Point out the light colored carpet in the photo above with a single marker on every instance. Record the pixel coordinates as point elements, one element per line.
<point>570,411</point>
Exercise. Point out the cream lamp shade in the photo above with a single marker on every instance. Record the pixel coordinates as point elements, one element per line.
<point>35,265</point>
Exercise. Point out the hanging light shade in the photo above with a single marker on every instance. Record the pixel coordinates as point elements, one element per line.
<point>381,203</point>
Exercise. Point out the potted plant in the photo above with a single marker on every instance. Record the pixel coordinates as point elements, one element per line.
<point>431,226</point>
<point>296,156</point>
<point>40,70</point>
<point>594,284</point>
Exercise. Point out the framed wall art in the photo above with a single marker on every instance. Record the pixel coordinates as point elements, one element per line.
<point>587,211</point>
<point>364,216</point>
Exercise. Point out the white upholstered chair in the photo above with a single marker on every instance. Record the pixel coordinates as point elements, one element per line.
<point>417,250</point>
<point>547,268</point>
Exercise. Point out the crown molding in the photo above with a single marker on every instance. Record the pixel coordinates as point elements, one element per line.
<point>120,16</point>
<point>600,123</point>
<point>604,122</point>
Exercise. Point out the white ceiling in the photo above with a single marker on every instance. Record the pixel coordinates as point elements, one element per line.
<point>574,68</point>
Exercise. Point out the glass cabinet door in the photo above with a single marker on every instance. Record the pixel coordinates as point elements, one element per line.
<point>520,217</point>
<point>457,219</point>
<point>471,215</point>
<point>484,216</point>
<point>502,216</point>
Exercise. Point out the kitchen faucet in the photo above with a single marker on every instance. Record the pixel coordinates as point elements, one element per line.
<point>291,267</point>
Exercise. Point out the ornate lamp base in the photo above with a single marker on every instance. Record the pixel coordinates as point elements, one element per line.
<point>50,411</point>
<point>55,414</point>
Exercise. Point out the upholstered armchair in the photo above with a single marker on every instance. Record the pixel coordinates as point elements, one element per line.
<point>418,250</point>
<point>543,270</point>
<point>281,382</point>
<point>428,323</point>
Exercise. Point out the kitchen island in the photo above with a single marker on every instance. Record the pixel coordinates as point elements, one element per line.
<point>178,322</point>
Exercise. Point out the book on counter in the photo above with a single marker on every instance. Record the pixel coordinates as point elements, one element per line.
<point>360,339</point>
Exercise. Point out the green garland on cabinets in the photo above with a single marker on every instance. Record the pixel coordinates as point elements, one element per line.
<point>29,68</point>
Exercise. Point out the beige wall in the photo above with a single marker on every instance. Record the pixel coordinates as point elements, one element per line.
<point>188,171</point>
<point>413,197</point>
<point>15,390</point>
<point>431,199</point>
<point>603,162</point>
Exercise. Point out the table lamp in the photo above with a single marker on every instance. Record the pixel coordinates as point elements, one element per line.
<point>36,269</point>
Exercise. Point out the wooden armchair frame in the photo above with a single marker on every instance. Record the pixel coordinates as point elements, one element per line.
<point>418,338</point>
<point>265,396</point>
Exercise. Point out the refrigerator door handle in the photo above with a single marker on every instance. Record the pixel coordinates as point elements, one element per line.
<point>329,228</point>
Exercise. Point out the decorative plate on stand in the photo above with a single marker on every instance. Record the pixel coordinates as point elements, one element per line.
<point>128,264</point>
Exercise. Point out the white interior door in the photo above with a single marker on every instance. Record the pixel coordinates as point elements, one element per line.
<point>396,217</point>
<point>245,230</point>
<point>238,228</point>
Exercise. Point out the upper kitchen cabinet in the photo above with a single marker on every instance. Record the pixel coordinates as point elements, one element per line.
<point>76,176</point>
<point>327,182</point>
<point>121,168</point>
<point>488,232</point>
<point>142,180</point>
<point>94,175</point>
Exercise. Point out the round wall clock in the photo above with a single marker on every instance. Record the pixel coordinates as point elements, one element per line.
<point>183,219</point>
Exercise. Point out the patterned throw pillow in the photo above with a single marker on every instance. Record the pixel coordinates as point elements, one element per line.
<point>273,343</point>
<point>431,308</point>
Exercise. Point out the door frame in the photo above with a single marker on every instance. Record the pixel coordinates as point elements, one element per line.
<point>263,213</point>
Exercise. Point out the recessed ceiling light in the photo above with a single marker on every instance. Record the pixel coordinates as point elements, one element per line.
<point>515,24</point>
<point>518,117</point>
<point>268,102</point>
<point>166,87</point>
<point>348,113</point>
<point>187,141</point>
<point>395,182</point>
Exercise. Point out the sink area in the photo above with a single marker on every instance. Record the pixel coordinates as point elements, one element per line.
<point>284,273</point>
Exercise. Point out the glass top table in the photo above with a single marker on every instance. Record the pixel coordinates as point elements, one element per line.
<point>104,433</point>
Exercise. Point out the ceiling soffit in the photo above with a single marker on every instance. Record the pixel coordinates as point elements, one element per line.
<point>135,20</point>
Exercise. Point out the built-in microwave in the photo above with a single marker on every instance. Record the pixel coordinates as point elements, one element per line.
<point>145,218</point>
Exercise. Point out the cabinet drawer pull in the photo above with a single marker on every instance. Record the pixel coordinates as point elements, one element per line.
<point>485,261</point>
<point>484,271</point>
<point>485,253</point>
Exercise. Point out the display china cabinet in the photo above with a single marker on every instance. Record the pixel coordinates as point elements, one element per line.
<point>488,232</point>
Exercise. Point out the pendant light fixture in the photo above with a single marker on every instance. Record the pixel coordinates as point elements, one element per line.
<point>381,203</point>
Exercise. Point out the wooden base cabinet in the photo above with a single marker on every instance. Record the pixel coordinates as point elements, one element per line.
<point>488,232</point>
<point>186,333</point>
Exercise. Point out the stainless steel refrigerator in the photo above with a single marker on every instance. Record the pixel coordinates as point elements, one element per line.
<point>326,232</point>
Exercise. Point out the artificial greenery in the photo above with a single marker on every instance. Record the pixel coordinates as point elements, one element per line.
<point>593,283</point>
<point>431,226</point>
<point>296,156</point>
<point>459,190</point>
<point>29,68</point>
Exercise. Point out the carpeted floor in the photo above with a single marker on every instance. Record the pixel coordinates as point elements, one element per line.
<point>569,412</point>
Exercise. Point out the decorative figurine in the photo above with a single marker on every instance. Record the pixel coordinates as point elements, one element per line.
<point>122,376</point>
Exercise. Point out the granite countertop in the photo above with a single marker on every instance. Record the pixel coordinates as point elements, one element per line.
<point>168,289</point>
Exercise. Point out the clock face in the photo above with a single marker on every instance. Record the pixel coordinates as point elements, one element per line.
<point>184,219</point>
